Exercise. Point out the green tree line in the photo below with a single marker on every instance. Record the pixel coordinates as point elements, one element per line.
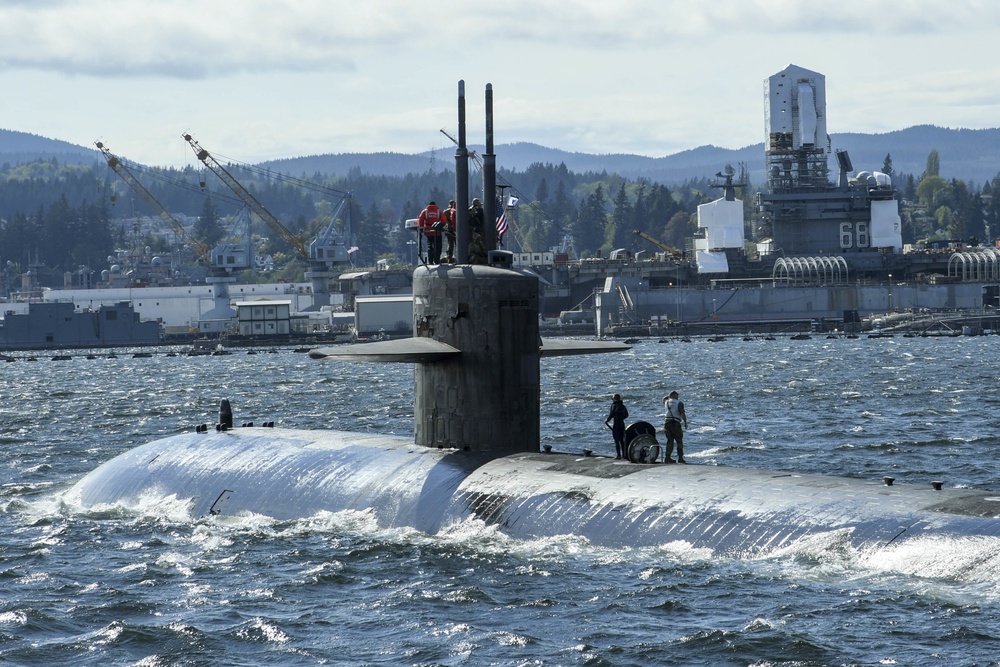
<point>64,216</point>
<point>935,208</point>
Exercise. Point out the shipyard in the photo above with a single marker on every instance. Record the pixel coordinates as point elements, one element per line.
<point>819,249</point>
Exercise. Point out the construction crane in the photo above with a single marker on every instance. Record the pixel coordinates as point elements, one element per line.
<point>197,247</point>
<point>670,250</point>
<point>514,229</point>
<point>324,252</point>
<point>295,241</point>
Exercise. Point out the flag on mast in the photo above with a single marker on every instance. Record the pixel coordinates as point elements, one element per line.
<point>501,220</point>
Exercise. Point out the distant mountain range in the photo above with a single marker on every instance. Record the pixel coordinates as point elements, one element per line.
<point>969,155</point>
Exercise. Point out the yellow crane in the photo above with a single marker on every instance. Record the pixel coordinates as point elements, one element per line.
<point>297,242</point>
<point>197,247</point>
<point>672,251</point>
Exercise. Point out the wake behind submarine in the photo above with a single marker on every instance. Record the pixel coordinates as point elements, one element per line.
<point>475,453</point>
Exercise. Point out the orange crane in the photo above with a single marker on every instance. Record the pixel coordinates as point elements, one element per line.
<point>197,247</point>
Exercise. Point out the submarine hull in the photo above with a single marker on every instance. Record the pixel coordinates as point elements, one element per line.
<point>287,474</point>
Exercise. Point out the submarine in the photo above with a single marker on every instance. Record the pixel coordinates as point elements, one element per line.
<point>476,355</point>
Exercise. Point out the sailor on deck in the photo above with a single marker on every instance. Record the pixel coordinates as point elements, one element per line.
<point>616,422</point>
<point>672,426</point>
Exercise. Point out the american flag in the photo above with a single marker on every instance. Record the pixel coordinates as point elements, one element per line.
<point>501,220</point>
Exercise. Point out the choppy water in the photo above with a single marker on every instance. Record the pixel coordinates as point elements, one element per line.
<point>153,586</point>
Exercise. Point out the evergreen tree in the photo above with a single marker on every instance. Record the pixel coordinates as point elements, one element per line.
<point>372,236</point>
<point>542,192</point>
<point>662,208</point>
<point>975,224</point>
<point>561,212</point>
<point>590,224</point>
<point>887,165</point>
<point>57,228</point>
<point>991,208</point>
<point>17,236</point>
<point>620,233</point>
<point>910,188</point>
<point>208,229</point>
<point>640,209</point>
<point>92,235</point>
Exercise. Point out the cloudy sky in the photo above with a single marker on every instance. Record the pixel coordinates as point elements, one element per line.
<point>261,79</point>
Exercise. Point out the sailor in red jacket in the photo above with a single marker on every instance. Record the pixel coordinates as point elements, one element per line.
<point>431,224</point>
<point>449,230</point>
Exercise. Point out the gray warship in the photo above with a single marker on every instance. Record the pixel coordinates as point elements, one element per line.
<point>825,249</point>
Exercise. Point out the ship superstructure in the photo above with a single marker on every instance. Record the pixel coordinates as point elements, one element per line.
<point>807,229</point>
<point>852,224</point>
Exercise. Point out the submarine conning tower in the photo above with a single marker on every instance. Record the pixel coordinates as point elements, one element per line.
<point>475,346</point>
<point>486,398</point>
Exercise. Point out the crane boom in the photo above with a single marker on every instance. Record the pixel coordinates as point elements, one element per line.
<point>200,249</point>
<point>674,252</point>
<point>472,154</point>
<point>295,241</point>
<point>514,229</point>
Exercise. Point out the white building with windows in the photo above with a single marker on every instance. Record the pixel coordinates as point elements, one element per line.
<point>264,317</point>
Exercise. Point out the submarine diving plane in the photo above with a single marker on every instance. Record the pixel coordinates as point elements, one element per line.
<point>475,453</point>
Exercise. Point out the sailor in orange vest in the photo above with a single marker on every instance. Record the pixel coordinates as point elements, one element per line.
<point>431,224</point>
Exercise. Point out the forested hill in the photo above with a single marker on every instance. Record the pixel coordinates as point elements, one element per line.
<point>972,156</point>
<point>62,206</point>
<point>969,155</point>
<point>21,148</point>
